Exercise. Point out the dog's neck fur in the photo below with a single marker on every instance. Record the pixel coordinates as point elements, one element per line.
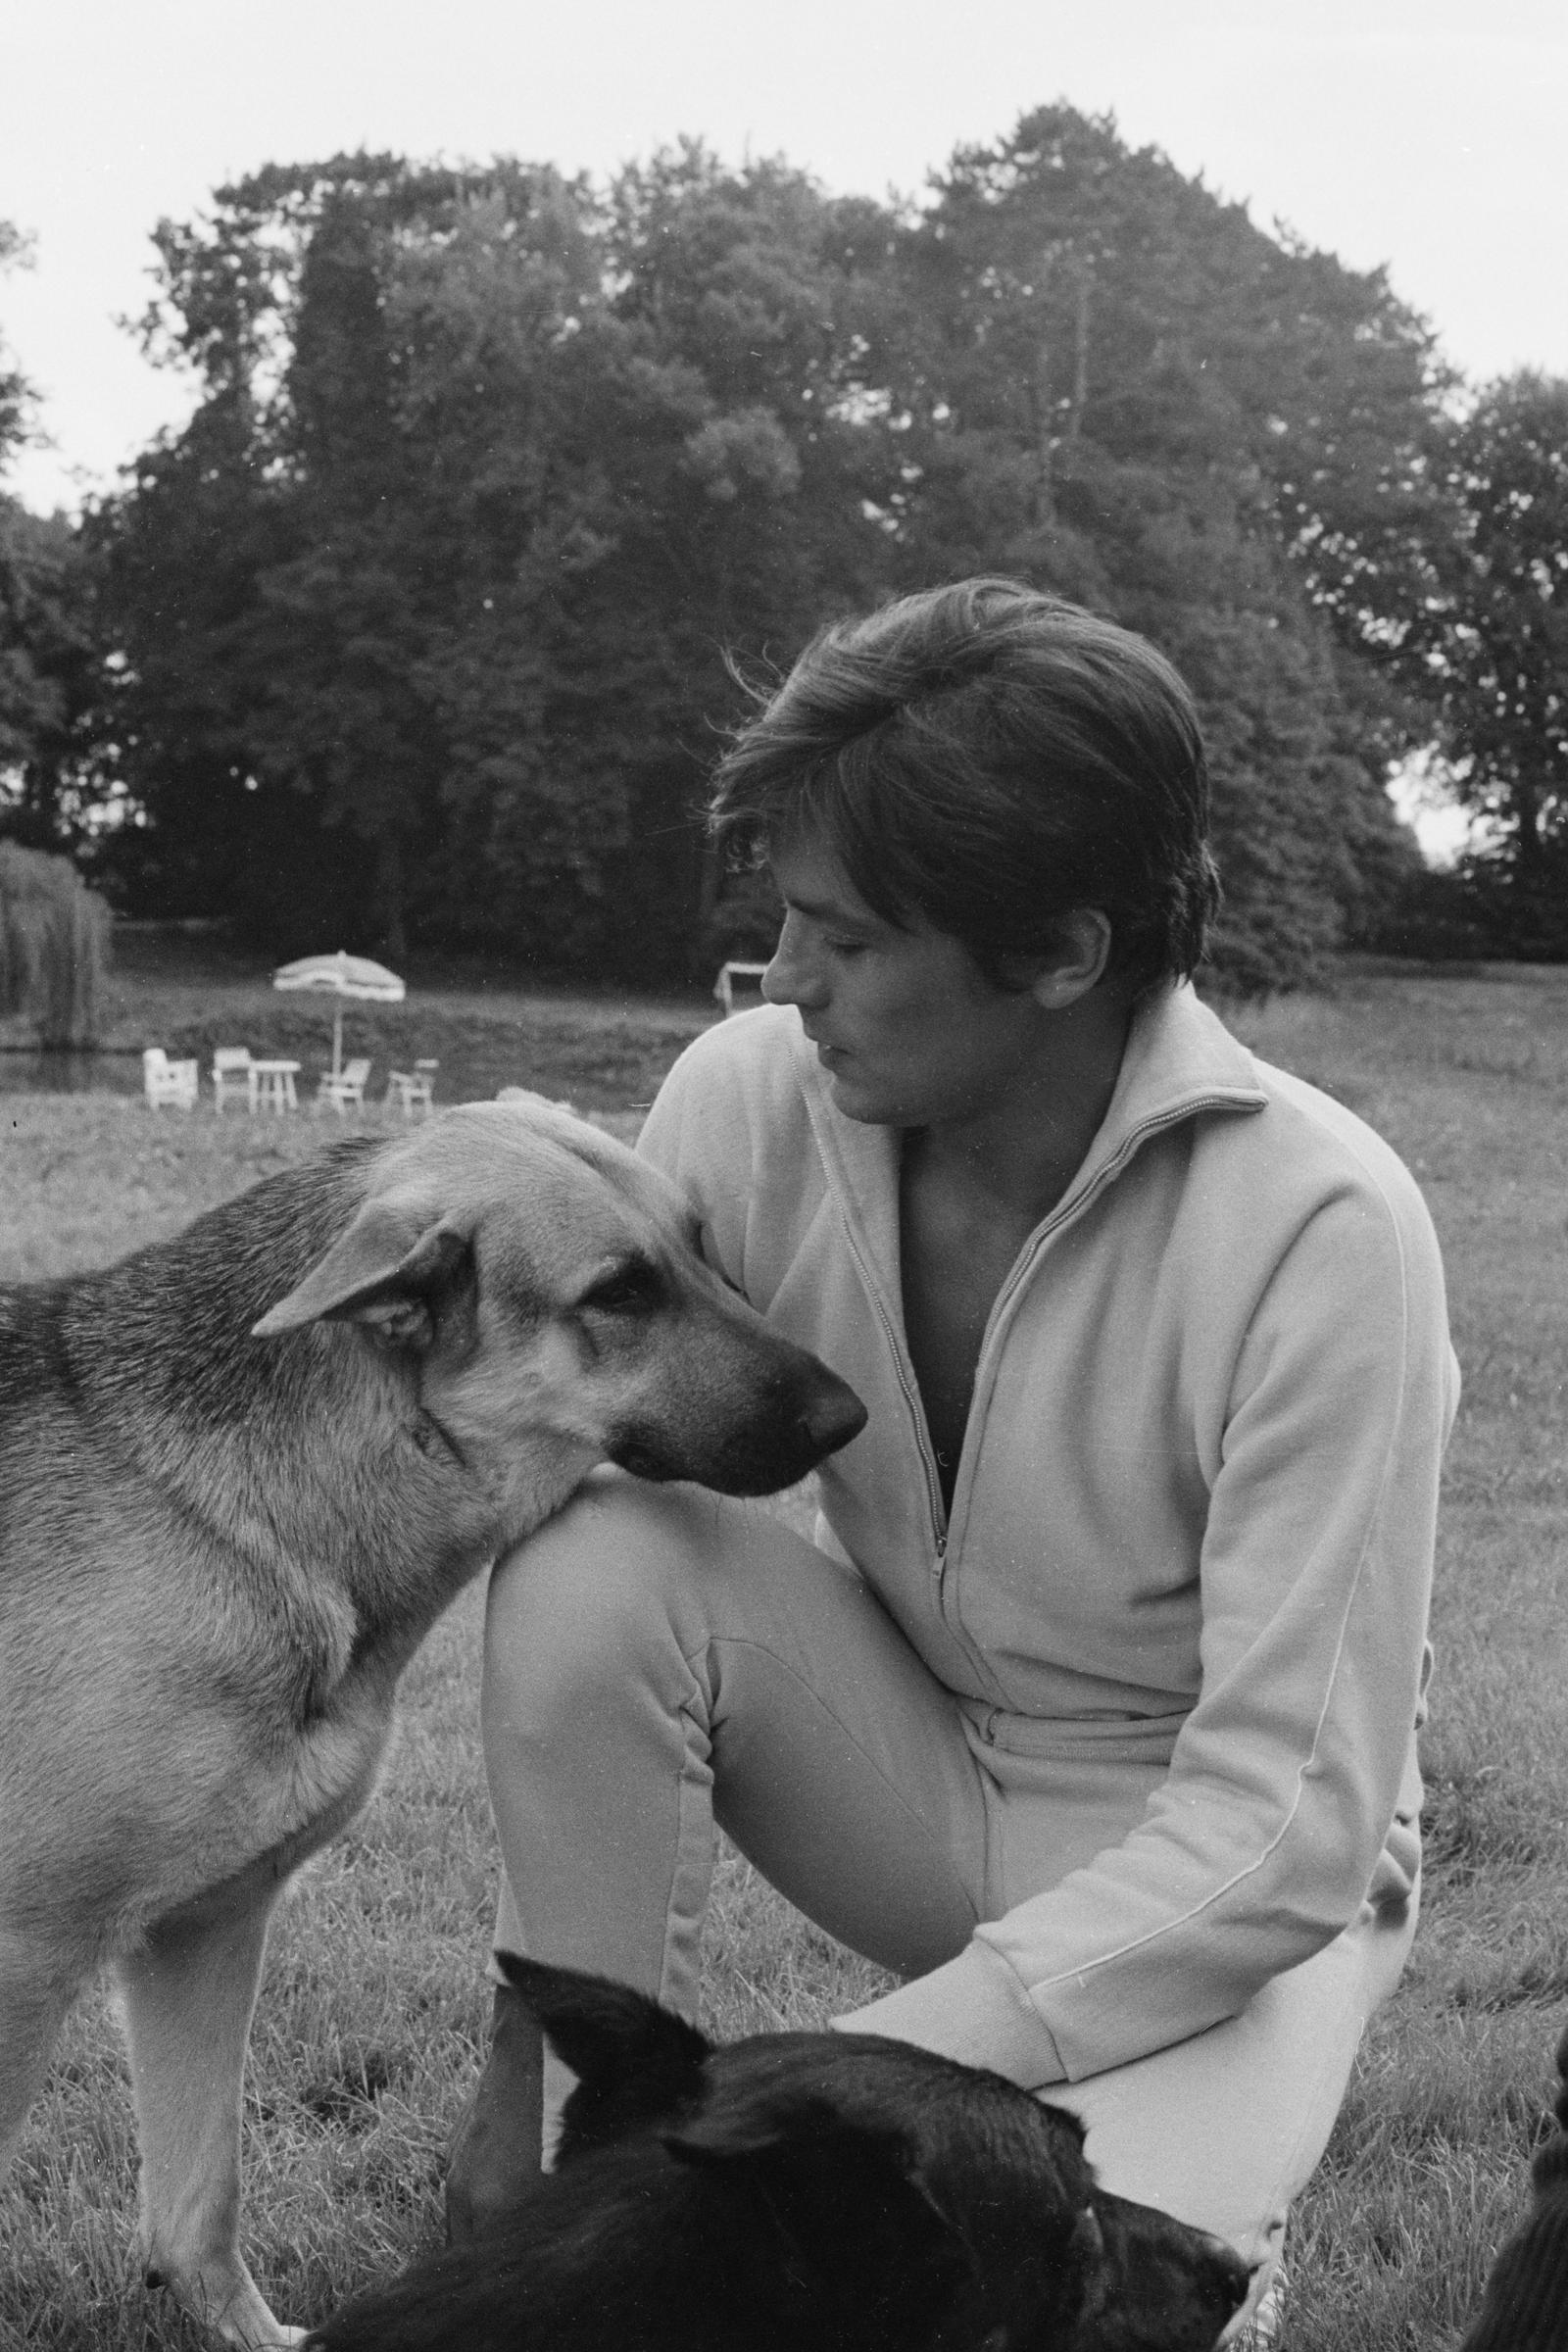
<point>185,1398</point>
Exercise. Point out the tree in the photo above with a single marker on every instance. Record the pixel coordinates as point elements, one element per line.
<point>1460,610</point>
<point>439,579</point>
<point>16,393</point>
<point>1110,383</point>
<point>265,568</point>
<point>48,646</point>
<point>49,681</point>
<point>1490,646</point>
<point>423,622</point>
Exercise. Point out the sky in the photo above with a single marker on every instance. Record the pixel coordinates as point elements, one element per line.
<point>1426,135</point>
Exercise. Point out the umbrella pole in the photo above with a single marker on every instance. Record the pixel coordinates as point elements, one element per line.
<point>337,1041</point>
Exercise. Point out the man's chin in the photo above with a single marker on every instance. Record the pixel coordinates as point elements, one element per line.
<point>859,1102</point>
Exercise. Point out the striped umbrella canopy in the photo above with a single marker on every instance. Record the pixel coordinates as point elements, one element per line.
<point>341,976</point>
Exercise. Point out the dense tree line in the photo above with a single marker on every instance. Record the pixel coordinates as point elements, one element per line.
<point>423,630</point>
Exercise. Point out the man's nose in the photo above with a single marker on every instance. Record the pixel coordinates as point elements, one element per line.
<point>792,977</point>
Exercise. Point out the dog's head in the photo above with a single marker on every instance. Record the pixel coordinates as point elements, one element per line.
<point>940,2204</point>
<point>543,1281</point>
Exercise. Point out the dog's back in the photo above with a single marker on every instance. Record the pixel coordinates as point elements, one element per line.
<point>131,1372</point>
<point>634,2248</point>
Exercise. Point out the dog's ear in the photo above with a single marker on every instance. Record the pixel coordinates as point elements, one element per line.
<point>636,2064</point>
<point>764,2122</point>
<point>383,1272</point>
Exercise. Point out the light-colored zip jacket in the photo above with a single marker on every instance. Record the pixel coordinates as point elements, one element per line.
<point>1193,1519</point>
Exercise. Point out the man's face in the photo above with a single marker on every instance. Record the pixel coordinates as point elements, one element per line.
<point>910,1031</point>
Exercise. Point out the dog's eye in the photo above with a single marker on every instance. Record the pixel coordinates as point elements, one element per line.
<point>630,1289</point>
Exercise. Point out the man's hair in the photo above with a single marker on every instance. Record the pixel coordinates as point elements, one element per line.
<point>986,758</point>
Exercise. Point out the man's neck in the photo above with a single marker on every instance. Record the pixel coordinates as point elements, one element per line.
<point>1023,1150</point>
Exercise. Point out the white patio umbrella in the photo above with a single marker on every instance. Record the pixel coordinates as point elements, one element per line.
<point>341,976</point>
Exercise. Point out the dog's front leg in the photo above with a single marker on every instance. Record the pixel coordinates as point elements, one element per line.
<point>34,1995</point>
<point>189,1993</point>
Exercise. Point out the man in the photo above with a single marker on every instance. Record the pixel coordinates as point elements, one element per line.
<point>1092,1711</point>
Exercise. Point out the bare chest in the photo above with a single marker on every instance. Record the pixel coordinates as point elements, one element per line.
<point>954,1256</point>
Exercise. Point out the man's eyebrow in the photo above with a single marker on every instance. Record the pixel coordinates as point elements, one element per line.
<point>831,911</point>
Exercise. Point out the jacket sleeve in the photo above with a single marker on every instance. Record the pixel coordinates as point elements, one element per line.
<point>699,1133</point>
<point>1292,1793</point>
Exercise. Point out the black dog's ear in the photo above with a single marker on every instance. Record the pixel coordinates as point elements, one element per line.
<point>724,2131</point>
<point>635,2063</point>
<point>785,2127</point>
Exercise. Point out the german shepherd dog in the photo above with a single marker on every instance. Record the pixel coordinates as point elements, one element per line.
<point>798,2193</point>
<point>240,1476</point>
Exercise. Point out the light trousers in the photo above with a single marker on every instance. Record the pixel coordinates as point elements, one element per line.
<point>659,1659</point>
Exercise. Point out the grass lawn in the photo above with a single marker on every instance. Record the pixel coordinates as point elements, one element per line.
<point>372,2013</point>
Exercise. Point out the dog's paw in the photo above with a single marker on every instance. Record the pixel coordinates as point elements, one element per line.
<point>228,2305</point>
<point>273,2336</point>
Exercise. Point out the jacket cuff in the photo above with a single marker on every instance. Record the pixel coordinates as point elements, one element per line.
<point>973,2009</point>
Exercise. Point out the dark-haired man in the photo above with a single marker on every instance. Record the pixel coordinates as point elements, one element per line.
<point>1091,1712</point>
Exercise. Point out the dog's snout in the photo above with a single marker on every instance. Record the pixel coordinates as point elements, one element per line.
<point>759,1415</point>
<point>1229,2274</point>
<point>1186,2281</point>
<point>832,1416</point>
<point>1229,2263</point>
<point>1230,2282</point>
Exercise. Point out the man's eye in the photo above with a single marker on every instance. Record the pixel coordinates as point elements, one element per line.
<point>847,947</point>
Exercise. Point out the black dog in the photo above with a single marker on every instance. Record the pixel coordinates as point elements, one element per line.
<point>1526,2307</point>
<point>798,2193</point>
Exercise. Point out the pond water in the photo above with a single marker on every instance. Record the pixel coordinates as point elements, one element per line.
<point>38,1073</point>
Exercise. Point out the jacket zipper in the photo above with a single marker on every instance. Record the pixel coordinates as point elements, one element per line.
<point>1053,1224</point>
<point>1056,1223</point>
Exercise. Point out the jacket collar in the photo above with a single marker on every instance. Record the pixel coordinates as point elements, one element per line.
<point>1180,1061</point>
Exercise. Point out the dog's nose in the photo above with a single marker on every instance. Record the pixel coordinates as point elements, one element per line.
<point>833,1416</point>
<point>1184,2285</point>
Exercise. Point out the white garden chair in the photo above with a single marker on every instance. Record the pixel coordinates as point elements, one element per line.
<point>169,1081</point>
<point>412,1089</point>
<point>233,1076</point>
<point>344,1089</point>
<point>724,985</point>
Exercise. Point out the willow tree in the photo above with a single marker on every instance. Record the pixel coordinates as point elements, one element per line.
<point>54,947</point>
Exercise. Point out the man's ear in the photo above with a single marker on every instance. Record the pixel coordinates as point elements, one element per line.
<point>383,1272</point>
<point>1077,963</point>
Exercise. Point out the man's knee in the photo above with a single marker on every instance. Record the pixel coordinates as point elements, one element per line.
<point>623,1573</point>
